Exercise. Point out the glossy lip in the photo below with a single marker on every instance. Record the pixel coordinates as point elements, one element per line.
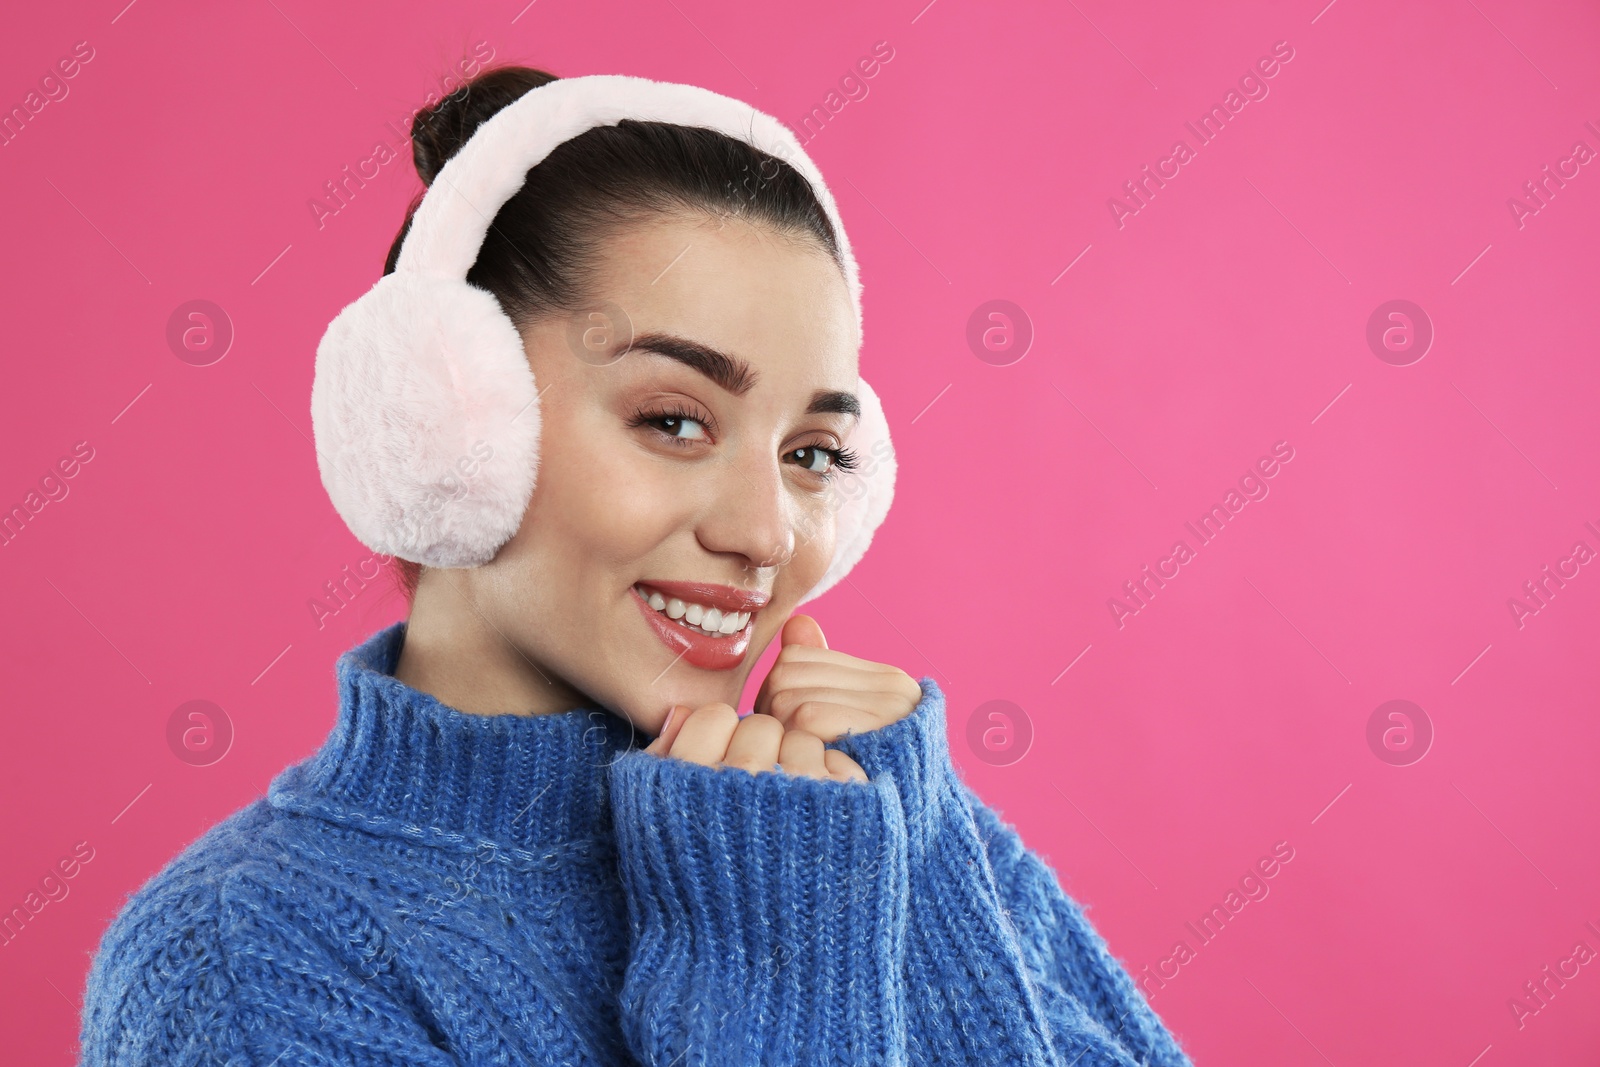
<point>697,649</point>
<point>724,597</point>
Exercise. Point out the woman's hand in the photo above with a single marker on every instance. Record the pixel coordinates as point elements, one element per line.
<point>714,735</point>
<point>828,694</point>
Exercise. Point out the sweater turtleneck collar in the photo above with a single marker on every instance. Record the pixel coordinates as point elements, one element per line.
<point>400,762</point>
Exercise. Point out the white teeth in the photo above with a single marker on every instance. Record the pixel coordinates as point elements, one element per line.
<point>710,621</point>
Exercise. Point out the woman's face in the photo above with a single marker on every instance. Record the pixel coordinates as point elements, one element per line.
<point>697,458</point>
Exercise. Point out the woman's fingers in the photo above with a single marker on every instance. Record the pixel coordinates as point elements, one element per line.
<point>887,692</point>
<point>808,664</point>
<point>842,768</point>
<point>755,744</point>
<point>669,730</point>
<point>812,654</point>
<point>872,677</point>
<point>872,709</point>
<point>831,721</point>
<point>801,753</point>
<point>705,734</point>
<point>715,736</point>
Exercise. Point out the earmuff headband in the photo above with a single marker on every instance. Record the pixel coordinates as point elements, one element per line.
<point>450,224</point>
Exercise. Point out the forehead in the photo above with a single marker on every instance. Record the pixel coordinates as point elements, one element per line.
<point>779,302</point>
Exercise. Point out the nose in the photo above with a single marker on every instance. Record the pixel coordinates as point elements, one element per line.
<point>750,512</point>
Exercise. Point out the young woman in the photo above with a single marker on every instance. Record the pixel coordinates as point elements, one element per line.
<point>540,832</point>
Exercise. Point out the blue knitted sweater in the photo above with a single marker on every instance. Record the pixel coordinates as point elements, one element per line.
<point>437,889</point>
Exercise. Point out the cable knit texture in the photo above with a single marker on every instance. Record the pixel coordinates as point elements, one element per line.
<point>437,889</point>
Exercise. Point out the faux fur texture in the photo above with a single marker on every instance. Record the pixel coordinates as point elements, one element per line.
<point>424,373</point>
<point>426,420</point>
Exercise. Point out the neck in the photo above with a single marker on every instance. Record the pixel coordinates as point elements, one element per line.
<point>453,653</point>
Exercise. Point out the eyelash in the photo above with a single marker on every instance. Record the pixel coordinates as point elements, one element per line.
<point>843,458</point>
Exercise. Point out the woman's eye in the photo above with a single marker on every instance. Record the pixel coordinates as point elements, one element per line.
<point>814,459</point>
<point>682,426</point>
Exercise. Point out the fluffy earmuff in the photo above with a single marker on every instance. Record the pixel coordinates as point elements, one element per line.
<point>424,407</point>
<point>427,420</point>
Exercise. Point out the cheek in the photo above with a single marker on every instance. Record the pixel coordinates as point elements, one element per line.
<point>822,530</point>
<point>815,534</point>
<point>601,499</point>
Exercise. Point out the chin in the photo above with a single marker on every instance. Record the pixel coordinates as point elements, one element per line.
<point>699,688</point>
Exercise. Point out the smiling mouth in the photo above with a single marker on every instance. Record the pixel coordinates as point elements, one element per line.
<point>711,611</point>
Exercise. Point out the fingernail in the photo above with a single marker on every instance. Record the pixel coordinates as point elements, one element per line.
<point>671,713</point>
<point>747,711</point>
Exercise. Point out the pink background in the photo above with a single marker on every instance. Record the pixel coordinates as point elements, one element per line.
<point>1226,315</point>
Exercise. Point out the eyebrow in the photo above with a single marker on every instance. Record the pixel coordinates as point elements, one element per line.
<point>733,374</point>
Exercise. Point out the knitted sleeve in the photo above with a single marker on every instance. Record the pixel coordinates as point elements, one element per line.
<point>1066,952</point>
<point>767,916</point>
<point>1000,966</point>
<point>207,969</point>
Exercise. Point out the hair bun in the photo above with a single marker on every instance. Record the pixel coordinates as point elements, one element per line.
<point>439,131</point>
